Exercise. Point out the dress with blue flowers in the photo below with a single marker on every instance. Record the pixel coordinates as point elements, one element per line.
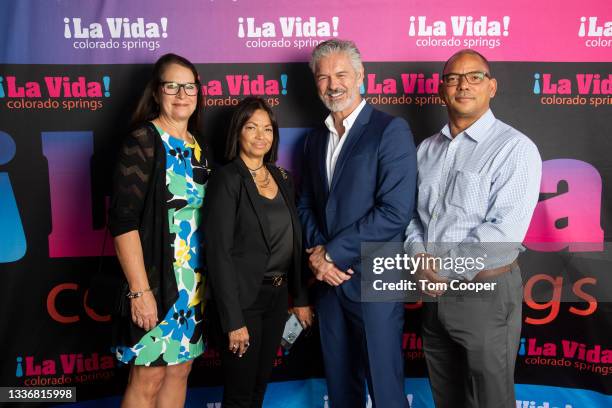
<point>178,337</point>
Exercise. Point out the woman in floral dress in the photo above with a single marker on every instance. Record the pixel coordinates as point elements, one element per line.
<point>159,188</point>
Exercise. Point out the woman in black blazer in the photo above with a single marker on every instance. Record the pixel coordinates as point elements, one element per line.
<point>254,253</point>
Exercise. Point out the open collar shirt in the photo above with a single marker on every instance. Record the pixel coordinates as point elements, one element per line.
<point>335,142</point>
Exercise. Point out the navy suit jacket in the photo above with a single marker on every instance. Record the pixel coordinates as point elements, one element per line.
<point>372,194</point>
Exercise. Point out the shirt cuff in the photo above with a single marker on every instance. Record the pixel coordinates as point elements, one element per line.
<point>413,248</point>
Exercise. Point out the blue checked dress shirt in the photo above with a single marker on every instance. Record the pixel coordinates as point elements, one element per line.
<point>480,187</point>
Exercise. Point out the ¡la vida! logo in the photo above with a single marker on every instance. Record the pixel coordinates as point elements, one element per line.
<point>295,32</point>
<point>66,369</point>
<point>229,90</point>
<point>570,354</point>
<point>115,33</point>
<point>591,89</point>
<point>597,34</point>
<point>459,31</point>
<point>409,88</point>
<point>61,92</point>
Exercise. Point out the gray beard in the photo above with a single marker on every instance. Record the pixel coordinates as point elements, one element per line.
<point>338,106</point>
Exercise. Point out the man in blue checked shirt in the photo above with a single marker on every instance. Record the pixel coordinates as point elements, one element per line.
<point>478,184</point>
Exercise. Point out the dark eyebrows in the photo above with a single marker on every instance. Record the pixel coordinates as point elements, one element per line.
<point>253,123</point>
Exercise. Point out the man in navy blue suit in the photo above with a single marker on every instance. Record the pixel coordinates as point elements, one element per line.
<point>358,186</point>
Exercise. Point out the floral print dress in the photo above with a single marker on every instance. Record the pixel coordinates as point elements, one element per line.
<point>178,337</point>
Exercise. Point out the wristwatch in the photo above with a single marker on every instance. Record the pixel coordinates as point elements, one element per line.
<point>328,258</point>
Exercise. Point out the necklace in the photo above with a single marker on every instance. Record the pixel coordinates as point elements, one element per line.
<point>254,171</point>
<point>263,183</point>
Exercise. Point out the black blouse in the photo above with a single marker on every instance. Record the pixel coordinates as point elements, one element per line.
<point>281,235</point>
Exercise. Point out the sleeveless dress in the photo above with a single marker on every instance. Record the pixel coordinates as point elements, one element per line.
<point>178,337</point>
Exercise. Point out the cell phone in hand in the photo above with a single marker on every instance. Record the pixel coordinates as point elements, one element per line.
<point>293,329</point>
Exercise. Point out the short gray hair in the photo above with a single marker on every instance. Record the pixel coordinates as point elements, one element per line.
<point>332,46</point>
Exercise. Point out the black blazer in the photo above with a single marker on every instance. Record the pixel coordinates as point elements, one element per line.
<point>237,241</point>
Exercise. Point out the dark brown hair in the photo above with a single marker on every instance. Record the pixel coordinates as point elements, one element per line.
<point>148,109</point>
<point>242,114</point>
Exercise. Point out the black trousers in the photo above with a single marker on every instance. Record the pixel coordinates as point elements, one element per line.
<point>245,378</point>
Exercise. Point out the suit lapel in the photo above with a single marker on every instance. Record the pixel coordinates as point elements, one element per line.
<point>281,182</point>
<point>353,137</point>
<point>289,196</point>
<point>321,158</point>
<point>255,199</point>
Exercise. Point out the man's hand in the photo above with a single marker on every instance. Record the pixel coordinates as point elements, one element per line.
<point>326,271</point>
<point>426,271</point>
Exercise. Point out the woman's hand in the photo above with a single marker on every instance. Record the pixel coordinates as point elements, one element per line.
<point>144,311</point>
<point>304,314</point>
<point>239,341</point>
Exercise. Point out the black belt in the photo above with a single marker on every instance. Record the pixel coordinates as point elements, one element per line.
<point>277,280</point>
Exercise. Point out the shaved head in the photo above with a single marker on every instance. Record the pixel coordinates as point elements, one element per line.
<point>468,51</point>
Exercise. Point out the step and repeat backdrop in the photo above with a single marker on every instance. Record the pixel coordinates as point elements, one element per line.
<point>71,73</point>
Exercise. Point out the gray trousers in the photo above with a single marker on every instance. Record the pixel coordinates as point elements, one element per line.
<point>470,344</point>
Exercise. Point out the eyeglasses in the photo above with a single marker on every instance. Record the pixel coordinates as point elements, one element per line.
<point>173,88</point>
<point>474,78</point>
